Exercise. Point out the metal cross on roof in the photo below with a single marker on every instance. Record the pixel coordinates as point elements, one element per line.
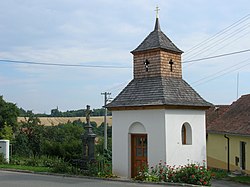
<point>157,11</point>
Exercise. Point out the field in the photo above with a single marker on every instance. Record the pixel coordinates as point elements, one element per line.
<point>53,121</point>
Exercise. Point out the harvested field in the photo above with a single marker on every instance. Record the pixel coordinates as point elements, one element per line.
<point>53,121</point>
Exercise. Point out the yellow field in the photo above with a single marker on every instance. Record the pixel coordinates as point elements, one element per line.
<point>53,121</point>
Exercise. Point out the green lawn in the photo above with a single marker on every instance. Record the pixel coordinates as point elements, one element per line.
<point>241,179</point>
<point>26,168</point>
<point>222,174</point>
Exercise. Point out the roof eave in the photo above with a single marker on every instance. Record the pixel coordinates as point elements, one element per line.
<point>227,133</point>
<point>149,107</point>
<point>156,49</point>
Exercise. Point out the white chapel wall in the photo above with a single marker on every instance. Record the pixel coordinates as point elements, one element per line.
<point>177,153</point>
<point>123,121</point>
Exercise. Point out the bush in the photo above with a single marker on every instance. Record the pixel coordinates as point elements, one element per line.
<point>2,159</point>
<point>60,166</point>
<point>191,174</point>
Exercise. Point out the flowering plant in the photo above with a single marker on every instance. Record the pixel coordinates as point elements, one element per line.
<point>190,173</point>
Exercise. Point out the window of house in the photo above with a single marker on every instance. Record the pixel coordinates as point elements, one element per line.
<point>186,134</point>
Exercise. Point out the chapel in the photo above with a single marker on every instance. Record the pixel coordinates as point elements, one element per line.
<point>158,116</point>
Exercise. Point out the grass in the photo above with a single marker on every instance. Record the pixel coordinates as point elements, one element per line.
<point>222,174</point>
<point>219,173</point>
<point>241,179</point>
<point>26,168</point>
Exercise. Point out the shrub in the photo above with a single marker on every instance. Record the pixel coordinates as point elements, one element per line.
<point>191,174</point>
<point>60,166</point>
<point>2,159</point>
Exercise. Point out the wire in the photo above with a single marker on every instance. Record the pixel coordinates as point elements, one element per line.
<point>226,72</point>
<point>109,66</point>
<point>220,41</point>
<point>62,65</point>
<point>217,35</point>
<point>227,44</point>
<point>217,56</point>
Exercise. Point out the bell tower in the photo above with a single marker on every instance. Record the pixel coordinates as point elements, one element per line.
<point>154,107</point>
<point>157,56</point>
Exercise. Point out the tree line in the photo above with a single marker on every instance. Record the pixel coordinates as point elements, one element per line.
<point>69,113</point>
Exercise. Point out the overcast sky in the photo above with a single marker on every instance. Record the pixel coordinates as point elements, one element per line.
<point>103,32</point>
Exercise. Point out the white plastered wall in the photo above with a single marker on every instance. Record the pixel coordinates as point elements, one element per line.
<point>178,154</point>
<point>153,122</point>
<point>163,129</point>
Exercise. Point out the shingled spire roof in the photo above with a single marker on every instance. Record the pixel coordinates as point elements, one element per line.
<point>161,85</point>
<point>158,91</point>
<point>157,39</point>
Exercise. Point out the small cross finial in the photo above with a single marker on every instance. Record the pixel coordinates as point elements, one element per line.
<point>157,11</point>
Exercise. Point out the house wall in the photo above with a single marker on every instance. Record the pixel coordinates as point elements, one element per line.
<point>176,152</point>
<point>153,121</point>
<point>217,151</point>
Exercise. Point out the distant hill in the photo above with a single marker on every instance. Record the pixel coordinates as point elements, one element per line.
<point>50,121</point>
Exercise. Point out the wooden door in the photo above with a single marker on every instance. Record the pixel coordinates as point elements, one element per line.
<point>138,153</point>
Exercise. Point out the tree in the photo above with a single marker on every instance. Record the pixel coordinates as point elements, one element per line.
<point>34,133</point>
<point>6,132</point>
<point>8,116</point>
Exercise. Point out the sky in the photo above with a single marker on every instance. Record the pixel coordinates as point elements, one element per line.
<point>102,33</point>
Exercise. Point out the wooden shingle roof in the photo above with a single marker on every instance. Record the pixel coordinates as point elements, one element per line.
<point>157,39</point>
<point>158,91</point>
<point>233,119</point>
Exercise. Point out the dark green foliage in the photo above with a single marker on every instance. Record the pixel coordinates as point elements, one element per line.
<point>99,147</point>
<point>100,130</point>
<point>21,145</point>
<point>2,159</point>
<point>8,115</point>
<point>34,134</point>
<point>60,166</point>
<point>57,165</point>
<point>63,141</point>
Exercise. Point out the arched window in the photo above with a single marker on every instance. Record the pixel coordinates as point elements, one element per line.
<point>186,134</point>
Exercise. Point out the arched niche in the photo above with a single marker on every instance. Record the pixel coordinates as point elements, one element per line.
<point>137,128</point>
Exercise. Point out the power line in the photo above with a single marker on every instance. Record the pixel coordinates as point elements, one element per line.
<point>220,41</point>
<point>224,70</point>
<point>110,66</point>
<point>218,34</point>
<point>227,44</point>
<point>62,65</point>
<point>217,56</point>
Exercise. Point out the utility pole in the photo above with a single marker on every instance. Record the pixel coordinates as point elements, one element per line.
<point>105,119</point>
<point>238,75</point>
